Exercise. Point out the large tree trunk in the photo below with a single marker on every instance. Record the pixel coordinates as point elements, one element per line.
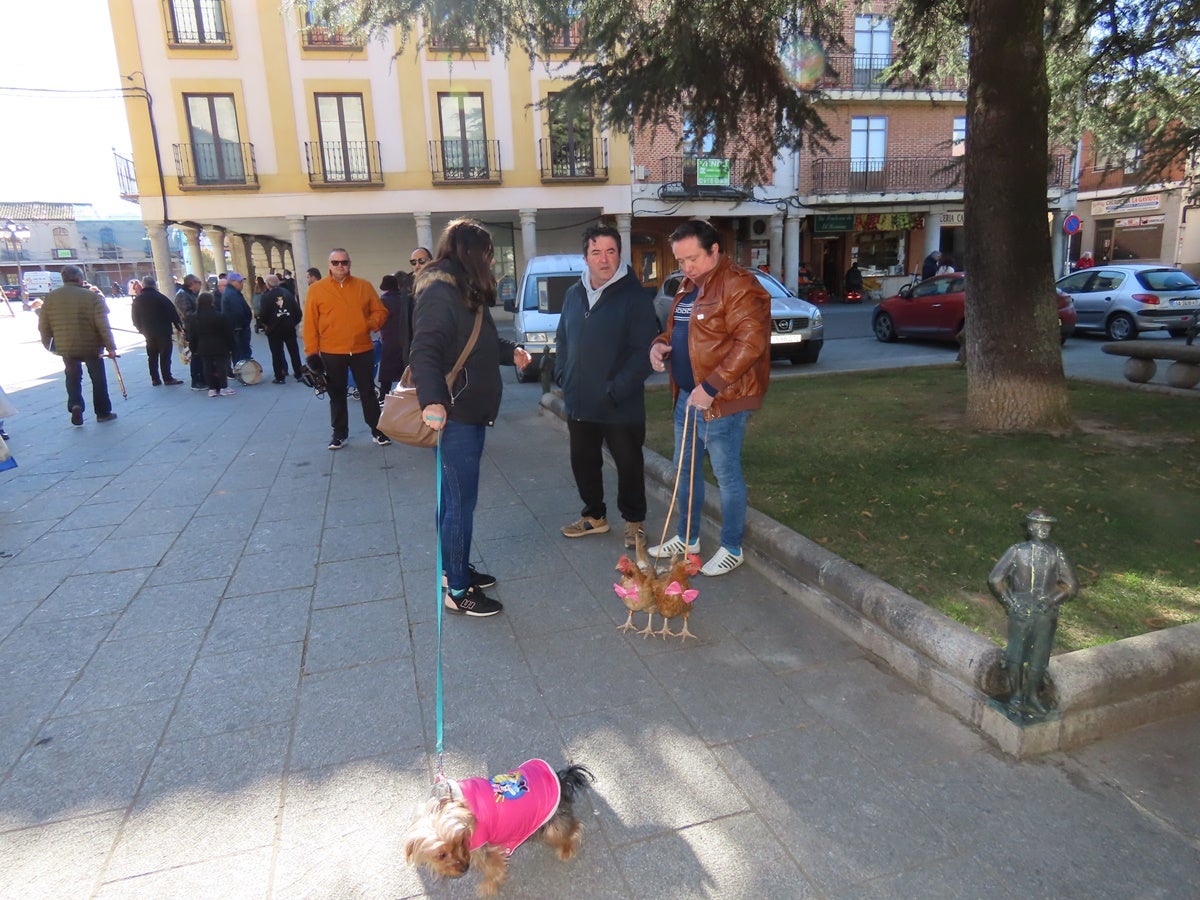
<point>1015,376</point>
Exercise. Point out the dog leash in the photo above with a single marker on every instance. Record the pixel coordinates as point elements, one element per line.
<point>694,418</point>
<point>440,715</point>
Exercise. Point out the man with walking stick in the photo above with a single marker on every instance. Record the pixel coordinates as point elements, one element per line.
<point>73,323</point>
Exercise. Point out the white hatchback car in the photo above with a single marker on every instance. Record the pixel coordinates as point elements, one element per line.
<point>1123,300</point>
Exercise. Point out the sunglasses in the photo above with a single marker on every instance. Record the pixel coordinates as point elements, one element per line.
<point>339,262</point>
<point>416,263</point>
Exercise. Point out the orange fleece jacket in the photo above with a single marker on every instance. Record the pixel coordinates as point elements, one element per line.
<point>339,318</point>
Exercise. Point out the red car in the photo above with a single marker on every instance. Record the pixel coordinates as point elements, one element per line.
<point>933,309</point>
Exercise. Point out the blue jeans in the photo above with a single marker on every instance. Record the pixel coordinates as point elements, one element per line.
<point>73,367</point>
<point>721,439</point>
<point>462,452</point>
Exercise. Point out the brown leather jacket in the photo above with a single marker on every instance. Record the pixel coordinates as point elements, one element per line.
<point>729,337</point>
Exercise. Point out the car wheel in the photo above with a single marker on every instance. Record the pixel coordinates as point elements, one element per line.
<point>1121,327</point>
<point>807,353</point>
<point>1177,332</point>
<point>884,328</point>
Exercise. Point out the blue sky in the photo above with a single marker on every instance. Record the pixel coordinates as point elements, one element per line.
<point>58,146</point>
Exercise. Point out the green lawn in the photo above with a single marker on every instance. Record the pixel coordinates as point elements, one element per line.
<point>879,468</point>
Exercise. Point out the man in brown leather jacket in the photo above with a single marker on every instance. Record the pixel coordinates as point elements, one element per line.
<point>718,347</point>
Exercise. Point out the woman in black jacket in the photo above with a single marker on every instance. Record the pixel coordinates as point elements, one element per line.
<point>395,292</point>
<point>210,336</point>
<point>451,291</point>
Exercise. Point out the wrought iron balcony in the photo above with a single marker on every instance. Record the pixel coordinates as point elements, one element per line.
<point>196,23</point>
<point>216,166</point>
<point>569,37</point>
<point>344,163</point>
<point>126,178</point>
<point>582,160</point>
<point>698,176</point>
<point>864,72</point>
<point>337,37</point>
<point>465,162</point>
<point>922,174</point>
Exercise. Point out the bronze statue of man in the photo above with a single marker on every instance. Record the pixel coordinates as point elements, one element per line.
<point>1032,580</point>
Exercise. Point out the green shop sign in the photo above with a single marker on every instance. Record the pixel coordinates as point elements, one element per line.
<point>831,224</point>
<point>712,172</point>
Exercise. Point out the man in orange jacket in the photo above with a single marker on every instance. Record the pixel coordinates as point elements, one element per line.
<point>340,313</point>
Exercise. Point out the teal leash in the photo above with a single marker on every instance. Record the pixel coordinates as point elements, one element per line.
<point>441,718</point>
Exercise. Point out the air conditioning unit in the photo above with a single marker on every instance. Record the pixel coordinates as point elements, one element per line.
<point>639,173</point>
<point>755,229</point>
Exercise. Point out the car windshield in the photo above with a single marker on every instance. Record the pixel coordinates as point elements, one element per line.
<point>1166,280</point>
<point>774,288</point>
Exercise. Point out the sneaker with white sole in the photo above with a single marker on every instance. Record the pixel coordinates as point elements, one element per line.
<point>481,580</point>
<point>381,439</point>
<point>674,547</point>
<point>473,602</point>
<point>586,525</point>
<point>722,562</point>
<point>336,443</point>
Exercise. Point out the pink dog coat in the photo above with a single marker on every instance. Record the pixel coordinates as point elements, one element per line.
<point>509,808</point>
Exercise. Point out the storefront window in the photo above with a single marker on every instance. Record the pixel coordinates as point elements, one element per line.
<point>880,252</point>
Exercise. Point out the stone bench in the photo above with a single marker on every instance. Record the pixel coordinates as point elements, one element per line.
<point>1184,371</point>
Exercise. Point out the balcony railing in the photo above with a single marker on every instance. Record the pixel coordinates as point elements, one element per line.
<point>700,175</point>
<point>574,160</point>
<point>320,37</point>
<point>126,179</point>
<point>196,23</point>
<point>345,163</point>
<point>216,166</point>
<point>465,161</point>
<point>863,72</point>
<point>923,174</point>
<point>434,41</point>
<point>568,38</point>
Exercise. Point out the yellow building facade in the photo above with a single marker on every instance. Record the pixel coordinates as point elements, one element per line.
<point>259,130</point>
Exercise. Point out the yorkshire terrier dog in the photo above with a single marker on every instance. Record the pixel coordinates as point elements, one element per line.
<point>483,820</point>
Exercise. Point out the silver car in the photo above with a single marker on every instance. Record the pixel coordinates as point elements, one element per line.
<point>797,332</point>
<point>1123,300</point>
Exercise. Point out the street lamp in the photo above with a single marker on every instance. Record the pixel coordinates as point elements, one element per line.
<point>14,236</point>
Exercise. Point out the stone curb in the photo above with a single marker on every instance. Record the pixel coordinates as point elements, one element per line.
<point>1099,691</point>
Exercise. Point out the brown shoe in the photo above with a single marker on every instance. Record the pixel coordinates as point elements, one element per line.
<point>632,530</point>
<point>586,525</point>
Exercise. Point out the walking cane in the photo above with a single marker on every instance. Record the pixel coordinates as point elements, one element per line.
<point>120,380</point>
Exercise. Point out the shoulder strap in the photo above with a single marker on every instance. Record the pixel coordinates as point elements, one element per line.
<point>462,357</point>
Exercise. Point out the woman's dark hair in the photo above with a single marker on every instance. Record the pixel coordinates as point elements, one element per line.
<point>389,283</point>
<point>204,301</point>
<point>404,282</point>
<point>466,249</point>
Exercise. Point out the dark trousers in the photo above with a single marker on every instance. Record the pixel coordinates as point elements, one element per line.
<point>158,356</point>
<point>73,367</point>
<point>587,464</point>
<point>214,372</point>
<point>338,367</point>
<point>197,367</point>
<point>279,341</point>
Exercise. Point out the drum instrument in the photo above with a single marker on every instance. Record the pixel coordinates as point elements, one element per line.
<point>248,371</point>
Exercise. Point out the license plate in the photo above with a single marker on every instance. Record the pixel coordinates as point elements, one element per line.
<point>1185,301</point>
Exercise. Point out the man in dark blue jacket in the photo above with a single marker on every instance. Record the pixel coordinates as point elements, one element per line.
<point>237,313</point>
<point>602,362</point>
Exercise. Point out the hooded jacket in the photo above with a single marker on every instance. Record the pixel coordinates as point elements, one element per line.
<point>729,337</point>
<point>602,354</point>
<point>442,323</point>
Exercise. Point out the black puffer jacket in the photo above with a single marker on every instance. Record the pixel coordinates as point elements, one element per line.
<point>209,334</point>
<point>442,324</point>
<point>603,353</point>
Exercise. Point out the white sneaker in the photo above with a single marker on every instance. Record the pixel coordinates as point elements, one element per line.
<point>674,547</point>
<point>723,561</point>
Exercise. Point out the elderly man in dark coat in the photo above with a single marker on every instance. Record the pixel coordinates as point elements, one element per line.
<point>154,315</point>
<point>74,324</point>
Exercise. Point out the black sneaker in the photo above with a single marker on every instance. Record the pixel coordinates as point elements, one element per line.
<point>473,603</point>
<point>335,443</point>
<point>382,439</point>
<point>481,580</point>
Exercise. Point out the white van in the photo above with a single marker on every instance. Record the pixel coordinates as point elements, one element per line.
<point>39,284</point>
<point>539,303</point>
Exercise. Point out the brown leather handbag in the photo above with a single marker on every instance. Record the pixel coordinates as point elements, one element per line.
<point>401,418</point>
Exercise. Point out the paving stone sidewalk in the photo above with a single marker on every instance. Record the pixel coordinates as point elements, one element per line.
<point>217,645</point>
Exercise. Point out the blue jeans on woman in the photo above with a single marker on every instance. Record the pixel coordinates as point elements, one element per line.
<point>721,439</point>
<point>462,453</point>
